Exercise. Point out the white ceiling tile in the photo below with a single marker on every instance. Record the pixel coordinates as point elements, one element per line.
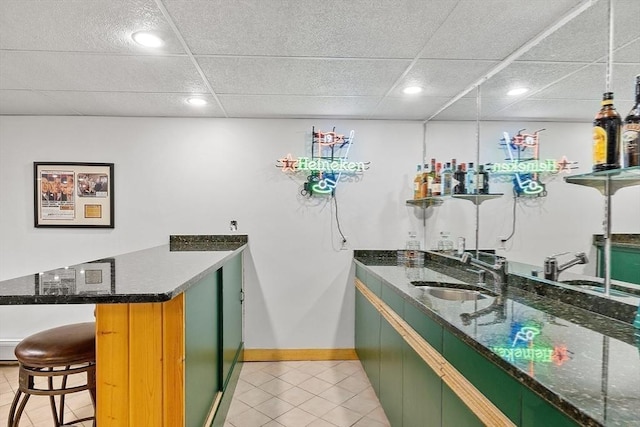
<point>586,38</point>
<point>441,77</point>
<point>551,110</point>
<point>26,102</point>
<point>492,29</point>
<point>93,72</point>
<point>130,104</point>
<point>329,28</point>
<point>408,107</point>
<point>298,106</point>
<point>466,108</point>
<point>289,76</point>
<point>81,26</point>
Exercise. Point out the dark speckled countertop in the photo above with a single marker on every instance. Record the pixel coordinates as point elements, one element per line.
<point>151,275</point>
<point>587,364</point>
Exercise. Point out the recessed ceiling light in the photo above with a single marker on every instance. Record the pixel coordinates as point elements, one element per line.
<point>197,101</point>
<point>412,90</point>
<point>517,91</point>
<point>147,39</point>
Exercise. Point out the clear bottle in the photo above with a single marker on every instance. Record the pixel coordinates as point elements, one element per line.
<point>470,182</point>
<point>460,177</point>
<point>437,183</point>
<point>424,184</point>
<point>606,136</point>
<point>483,180</point>
<point>447,175</point>
<point>631,133</point>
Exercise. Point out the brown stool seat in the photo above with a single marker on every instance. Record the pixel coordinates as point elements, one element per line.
<point>46,360</point>
<point>65,345</point>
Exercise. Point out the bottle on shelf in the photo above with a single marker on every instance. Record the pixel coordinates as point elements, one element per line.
<point>470,181</point>
<point>459,176</point>
<point>424,184</point>
<point>437,183</point>
<point>416,183</point>
<point>432,177</point>
<point>606,136</point>
<point>631,133</point>
<point>483,180</point>
<point>447,175</point>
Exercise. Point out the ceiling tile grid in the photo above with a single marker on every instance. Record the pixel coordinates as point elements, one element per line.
<point>304,58</point>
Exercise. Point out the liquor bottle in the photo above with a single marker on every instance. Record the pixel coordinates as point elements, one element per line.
<point>631,133</point>
<point>459,176</point>
<point>437,183</point>
<point>416,183</point>
<point>424,183</point>
<point>606,136</point>
<point>447,174</point>
<point>483,180</point>
<point>470,182</point>
<point>432,178</point>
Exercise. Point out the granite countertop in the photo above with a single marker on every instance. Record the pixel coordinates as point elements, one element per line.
<point>620,240</point>
<point>583,362</point>
<point>150,275</point>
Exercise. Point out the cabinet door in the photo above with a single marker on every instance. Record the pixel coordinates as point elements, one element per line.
<point>202,349</point>
<point>367,339</point>
<point>421,391</point>
<point>391,344</point>
<point>231,314</point>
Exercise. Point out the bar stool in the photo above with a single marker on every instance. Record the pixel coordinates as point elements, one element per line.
<point>51,354</point>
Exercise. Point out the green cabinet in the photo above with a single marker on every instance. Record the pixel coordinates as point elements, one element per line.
<point>391,344</point>
<point>625,263</point>
<point>367,339</point>
<point>421,392</point>
<point>213,341</point>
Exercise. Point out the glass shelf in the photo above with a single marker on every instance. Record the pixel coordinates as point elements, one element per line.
<point>617,179</point>
<point>438,200</point>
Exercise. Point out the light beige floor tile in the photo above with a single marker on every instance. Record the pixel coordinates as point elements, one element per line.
<point>321,423</point>
<point>78,400</point>
<point>243,387</point>
<point>341,417</point>
<point>370,422</point>
<point>254,397</point>
<point>275,386</point>
<point>312,368</point>
<point>248,367</point>
<point>237,407</point>
<point>273,423</point>
<point>295,396</point>
<point>277,369</point>
<point>378,415</point>
<point>314,385</point>
<point>332,376</point>
<point>295,363</point>
<point>6,398</point>
<point>354,384</point>
<point>257,378</point>
<point>295,377</point>
<point>361,405</point>
<point>296,418</point>
<point>274,407</point>
<point>317,406</point>
<point>250,418</point>
<point>85,411</point>
<point>337,395</point>
<point>348,366</point>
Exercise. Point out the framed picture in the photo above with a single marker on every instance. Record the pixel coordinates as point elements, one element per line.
<point>91,278</point>
<point>73,194</point>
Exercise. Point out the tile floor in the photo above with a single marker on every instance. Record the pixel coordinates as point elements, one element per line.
<point>305,393</point>
<point>270,394</point>
<point>38,412</point>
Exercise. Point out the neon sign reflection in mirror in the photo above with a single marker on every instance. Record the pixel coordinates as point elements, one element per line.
<point>524,348</point>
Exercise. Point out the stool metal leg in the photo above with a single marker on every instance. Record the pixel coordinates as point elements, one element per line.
<point>14,416</point>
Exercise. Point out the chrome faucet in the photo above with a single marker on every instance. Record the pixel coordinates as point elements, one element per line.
<point>552,269</point>
<point>497,307</point>
<point>498,270</point>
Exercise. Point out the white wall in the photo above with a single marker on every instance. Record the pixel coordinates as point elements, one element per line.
<point>192,176</point>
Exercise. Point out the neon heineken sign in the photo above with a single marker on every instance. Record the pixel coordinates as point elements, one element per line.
<point>328,164</point>
<point>532,166</point>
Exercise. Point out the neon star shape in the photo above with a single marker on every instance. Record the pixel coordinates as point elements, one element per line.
<point>564,164</point>
<point>288,163</point>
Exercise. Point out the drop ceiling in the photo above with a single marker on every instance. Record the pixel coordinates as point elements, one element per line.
<point>317,58</point>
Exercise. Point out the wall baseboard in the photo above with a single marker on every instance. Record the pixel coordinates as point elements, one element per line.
<point>277,355</point>
<point>6,349</point>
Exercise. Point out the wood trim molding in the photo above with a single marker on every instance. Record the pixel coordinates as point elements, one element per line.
<point>277,355</point>
<point>477,402</point>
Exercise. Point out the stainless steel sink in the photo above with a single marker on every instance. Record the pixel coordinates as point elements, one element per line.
<point>452,294</point>
<point>452,291</point>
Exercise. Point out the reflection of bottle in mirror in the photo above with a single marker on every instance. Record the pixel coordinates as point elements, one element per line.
<point>631,133</point>
<point>417,181</point>
<point>461,246</point>
<point>470,183</point>
<point>606,136</point>
<point>483,180</point>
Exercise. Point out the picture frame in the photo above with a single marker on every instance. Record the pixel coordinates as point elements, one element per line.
<point>73,194</point>
<point>86,279</point>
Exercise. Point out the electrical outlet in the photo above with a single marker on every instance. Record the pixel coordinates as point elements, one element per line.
<point>501,243</point>
<point>345,245</point>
